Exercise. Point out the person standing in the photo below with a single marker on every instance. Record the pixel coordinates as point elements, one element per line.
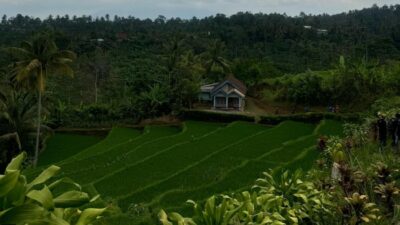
<point>382,131</point>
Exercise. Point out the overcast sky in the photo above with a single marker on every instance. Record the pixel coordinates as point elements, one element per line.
<point>179,8</point>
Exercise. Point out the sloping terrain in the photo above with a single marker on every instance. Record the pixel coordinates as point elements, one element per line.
<point>163,166</point>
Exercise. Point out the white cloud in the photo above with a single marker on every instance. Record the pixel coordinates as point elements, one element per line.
<point>181,8</point>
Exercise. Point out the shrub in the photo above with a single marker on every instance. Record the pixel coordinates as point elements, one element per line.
<point>283,200</point>
<point>216,116</point>
<point>37,202</point>
<point>308,118</point>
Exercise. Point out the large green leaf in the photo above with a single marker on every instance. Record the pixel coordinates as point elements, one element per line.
<point>44,197</point>
<point>16,162</point>
<point>8,182</point>
<point>89,215</point>
<point>64,180</point>
<point>164,218</point>
<point>17,195</point>
<point>71,199</point>
<point>44,176</point>
<point>24,214</point>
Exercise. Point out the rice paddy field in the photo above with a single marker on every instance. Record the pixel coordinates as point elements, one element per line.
<point>163,166</point>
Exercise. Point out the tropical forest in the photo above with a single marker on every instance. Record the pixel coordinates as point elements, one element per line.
<point>241,119</point>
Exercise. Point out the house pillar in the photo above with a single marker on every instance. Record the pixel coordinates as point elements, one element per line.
<point>214,102</point>
<point>226,102</point>
<point>240,102</point>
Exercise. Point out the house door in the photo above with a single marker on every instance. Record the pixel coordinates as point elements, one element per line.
<point>220,102</point>
<point>233,102</point>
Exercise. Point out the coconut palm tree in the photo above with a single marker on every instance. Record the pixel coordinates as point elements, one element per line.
<point>214,61</point>
<point>17,110</point>
<point>34,61</point>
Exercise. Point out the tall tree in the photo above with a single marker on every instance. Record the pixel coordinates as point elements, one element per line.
<point>214,60</point>
<point>34,61</point>
<point>98,65</point>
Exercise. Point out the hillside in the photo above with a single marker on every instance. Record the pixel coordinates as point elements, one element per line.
<point>163,166</point>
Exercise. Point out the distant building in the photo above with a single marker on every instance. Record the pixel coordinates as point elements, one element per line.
<point>229,94</point>
<point>307,27</point>
<point>322,31</point>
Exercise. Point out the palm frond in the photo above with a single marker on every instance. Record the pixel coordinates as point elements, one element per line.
<point>65,54</point>
<point>28,73</point>
<point>62,69</point>
<point>27,46</point>
<point>18,53</point>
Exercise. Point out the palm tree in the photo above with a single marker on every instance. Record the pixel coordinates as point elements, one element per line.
<point>17,110</point>
<point>34,61</point>
<point>214,58</point>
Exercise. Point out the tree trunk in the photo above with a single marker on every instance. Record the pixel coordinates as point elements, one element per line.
<point>95,87</point>
<point>35,159</point>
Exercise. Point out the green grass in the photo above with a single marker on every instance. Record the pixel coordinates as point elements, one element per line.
<point>296,154</point>
<point>168,163</point>
<point>214,168</point>
<point>116,136</point>
<point>62,146</point>
<point>115,157</point>
<point>241,177</point>
<point>163,166</point>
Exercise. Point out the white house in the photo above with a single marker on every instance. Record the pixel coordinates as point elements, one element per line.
<point>229,94</point>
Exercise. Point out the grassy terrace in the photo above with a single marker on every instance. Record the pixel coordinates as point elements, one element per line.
<point>114,157</point>
<point>63,146</point>
<point>169,163</point>
<point>163,166</point>
<point>223,160</point>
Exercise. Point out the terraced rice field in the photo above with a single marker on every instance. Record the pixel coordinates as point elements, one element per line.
<point>59,147</point>
<point>163,166</point>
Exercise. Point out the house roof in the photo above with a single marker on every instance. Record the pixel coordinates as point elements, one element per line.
<point>240,86</point>
<point>231,79</point>
<point>208,87</point>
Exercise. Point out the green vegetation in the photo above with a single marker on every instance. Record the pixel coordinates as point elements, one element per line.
<point>146,74</point>
<point>128,70</point>
<point>353,182</point>
<point>34,62</point>
<point>360,82</point>
<point>163,166</point>
<point>40,201</point>
<point>63,146</point>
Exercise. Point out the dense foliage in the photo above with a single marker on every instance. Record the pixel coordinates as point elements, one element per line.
<point>352,183</point>
<point>145,68</point>
<point>40,200</point>
<point>148,164</point>
<point>351,84</point>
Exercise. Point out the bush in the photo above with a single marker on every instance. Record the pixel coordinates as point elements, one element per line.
<point>40,202</point>
<point>94,115</point>
<point>216,116</point>
<point>308,118</point>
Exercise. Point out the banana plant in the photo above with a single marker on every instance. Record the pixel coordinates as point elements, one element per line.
<point>290,200</point>
<point>388,192</point>
<point>361,210</point>
<point>217,210</point>
<point>382,172</point>
<point>275,201</point>
<point>35,202</point>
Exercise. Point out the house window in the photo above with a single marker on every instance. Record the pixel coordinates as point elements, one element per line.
<point>233,102</point>
<point>220,101</point>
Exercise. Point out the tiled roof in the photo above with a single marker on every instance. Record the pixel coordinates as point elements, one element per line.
<point>214,87</point>
<point>239,84</point>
